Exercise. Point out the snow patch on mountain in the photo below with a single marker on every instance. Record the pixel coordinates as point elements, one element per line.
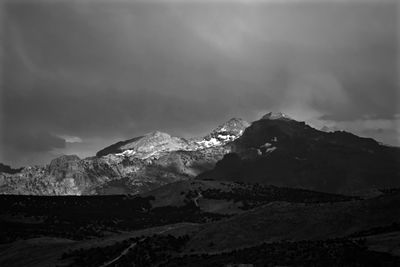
<point>155,144</point>
<point>208,143</point>
<point>126,153</point>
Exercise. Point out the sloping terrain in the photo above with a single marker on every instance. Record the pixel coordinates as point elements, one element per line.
<point>338,252</point>
<point>297,221</point>
<point>84,217</point>
<point>284,152</point>
<point>212,222</point>
<point>51,251</point>
<point>290,234</point>
<point>274,150</point>
<point>233,197</point>
<point>155,143</point>
<point>78,217</point>
<point>133,166</point>
<point>36,252</point>
<point>146,146</point>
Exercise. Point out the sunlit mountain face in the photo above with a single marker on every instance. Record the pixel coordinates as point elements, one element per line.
<point>130,166</point>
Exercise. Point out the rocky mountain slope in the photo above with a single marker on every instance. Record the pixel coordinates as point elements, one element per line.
<point>131,166</point>
<point>284,152</point>
<point>156,143</point>
<point>146,146</point>
<point>274,150</point>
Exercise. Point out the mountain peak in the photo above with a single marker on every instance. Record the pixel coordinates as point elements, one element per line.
<point>157,134</point>
<point>276,116</point>
<point>153,143</point>
<point>225,133</point>
<point>233,126</point>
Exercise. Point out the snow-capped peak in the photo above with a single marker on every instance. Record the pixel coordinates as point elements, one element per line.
<point>233,126</point>
<point>153,144</point>
<point>226,132</point>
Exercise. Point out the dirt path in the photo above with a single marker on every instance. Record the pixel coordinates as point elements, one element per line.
<point>125,251</point>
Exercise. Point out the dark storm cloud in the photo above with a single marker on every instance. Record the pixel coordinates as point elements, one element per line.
<point>34,141</point>
<point>111,70</point>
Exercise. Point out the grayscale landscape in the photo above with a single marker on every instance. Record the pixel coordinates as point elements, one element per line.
<point>199,133</point>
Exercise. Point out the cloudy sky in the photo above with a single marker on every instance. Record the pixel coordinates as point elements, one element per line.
<point>80,75</point>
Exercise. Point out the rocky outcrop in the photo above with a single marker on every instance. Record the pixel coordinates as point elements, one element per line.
<point>223,134</point>
<point>149,145</point>
<point>67,166</point>
<point>132,166</point>
<point>155,144</point>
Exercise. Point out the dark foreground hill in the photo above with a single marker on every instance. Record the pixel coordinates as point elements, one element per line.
<point>284,152</point>
<point>297,221</point>
<point>287,234</point>
<point>204,223</point>
<point>80,217</point>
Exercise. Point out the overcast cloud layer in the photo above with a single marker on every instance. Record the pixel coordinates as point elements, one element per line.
<point>79,75</point>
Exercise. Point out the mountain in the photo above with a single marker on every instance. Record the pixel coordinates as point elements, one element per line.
<point>145,146</point>
<point>281,151</point>
<point>223,134</point>
<point>127,167</point>
<point>66,175</point>
<point>275,150</point>
<point>266,194</point>
<point>153,144</point>
<point>276,116</point>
